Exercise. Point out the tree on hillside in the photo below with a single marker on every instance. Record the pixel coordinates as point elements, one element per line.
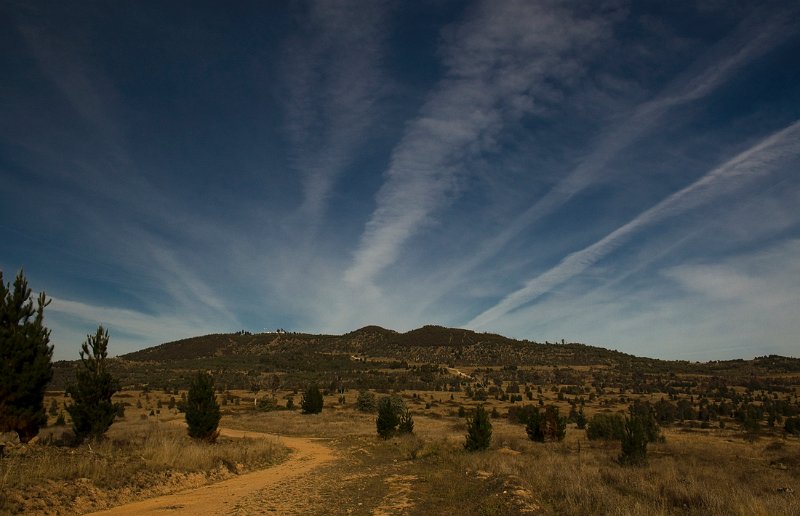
<point>311,401</point>
<point>202,409</point>
<point>25,359</point>
<point>92,410</point>
<point>549,425</point>
<point>479,431</point>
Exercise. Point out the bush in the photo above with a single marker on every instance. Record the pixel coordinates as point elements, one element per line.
<point>202,410</point>
<point>406,425</point>
<point>791,425</point>
<point>311,402</point>
<point>549,425</point>
<point>387,418</point>
<point>366,401</point>
<point>522,413</point>
<point>610,427</point>
<point>25,359</point>
<point>647,418</point>
<point>92,411</point>
<point>267,404</point>
<point>634,440</point>
<point>391,414</point>
<point>479,431</point>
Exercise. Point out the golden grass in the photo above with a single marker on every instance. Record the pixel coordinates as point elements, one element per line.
<point>137,459</point>
<point>702,475</point>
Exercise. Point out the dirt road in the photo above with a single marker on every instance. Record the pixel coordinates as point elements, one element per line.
<point>242,494</point>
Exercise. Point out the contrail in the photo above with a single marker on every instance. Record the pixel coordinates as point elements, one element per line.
<point>753,162</point>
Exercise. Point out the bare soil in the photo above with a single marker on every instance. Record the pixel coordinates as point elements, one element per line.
<point>249,493</point>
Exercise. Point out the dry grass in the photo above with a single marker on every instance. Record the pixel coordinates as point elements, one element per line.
<point>138,459</point>
<point>702,475</point>
<point>696,471</point>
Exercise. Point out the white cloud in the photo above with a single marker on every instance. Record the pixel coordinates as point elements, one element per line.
<point>129,329</point>
<point>756,161</point>
<point>717,65</point>
<point>501,63</point>
<point>334,79</point>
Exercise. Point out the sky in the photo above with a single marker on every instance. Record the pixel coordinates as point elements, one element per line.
<point>621,174</point>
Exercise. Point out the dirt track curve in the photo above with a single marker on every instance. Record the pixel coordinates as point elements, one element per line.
<point>237,495</point>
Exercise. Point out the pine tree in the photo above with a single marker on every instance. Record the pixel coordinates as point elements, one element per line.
<point>25,359</point>
<point>634,440</point>
<point>479,431</point>
<point>202,410</point>
<point>535,426</point>
<point>406,425</point>
<point>311,402</point>
<point>388,418</point>
<point>92,410</point>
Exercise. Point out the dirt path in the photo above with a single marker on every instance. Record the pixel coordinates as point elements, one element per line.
<point>238,495</point>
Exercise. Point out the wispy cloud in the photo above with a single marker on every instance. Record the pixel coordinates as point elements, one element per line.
<point>736,173</point>
<point>129,329</point>
<point>501,64</point>
<point>752,39</point>
<point>334,78</point>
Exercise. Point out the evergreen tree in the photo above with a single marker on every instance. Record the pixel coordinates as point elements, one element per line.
<point>535,426</point>
<point>580,419</point>
<point>549,425</point>
<point>406,425</point>
<point>634,440</point>
<point>92,410</point>
<point>366,401</point>
<point>311,401</point>
<point>202,409</point>
<point>25,359</point>
<point>479,431</point>
<point>388,418</point>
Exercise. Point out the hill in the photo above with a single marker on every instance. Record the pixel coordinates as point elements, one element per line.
<point>431,357</point>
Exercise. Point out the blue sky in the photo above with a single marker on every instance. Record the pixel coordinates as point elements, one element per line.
<point>624,174</point>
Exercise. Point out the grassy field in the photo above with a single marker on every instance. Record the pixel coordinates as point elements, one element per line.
<point>695,471</point>
<point>698,469</point>
<point>142,456</point>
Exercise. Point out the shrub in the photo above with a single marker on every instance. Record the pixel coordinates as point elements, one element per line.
<point>479,431</point>
<point>202,410</point>
<point>580,419</point>
<point>388,418</point>
<point>311,402</point>
<point>634,440</point>
<point>25,359</point>
<point>549,425</point>
<point>406,425</point>
<point>610,427</point>
<point>647,417</point>
<point>366,401</point>
<point>791,425</point>
<point>92,410</point>
<point>267,404</point>
<point>521,413</point>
